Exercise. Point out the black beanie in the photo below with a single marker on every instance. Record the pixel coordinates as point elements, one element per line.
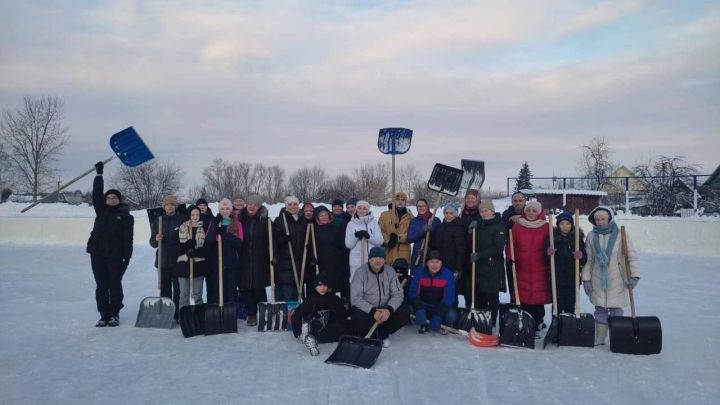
<point>337,201</point>
<point>115,192</point>
<point>201,201</point>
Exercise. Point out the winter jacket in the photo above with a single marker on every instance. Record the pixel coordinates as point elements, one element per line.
<point>231,243</point>
<point>200,251</point>
<point>438,289</point>
<point>207,219</point>
<point>416,235</point>
<point>470,214</point>
<point>490,241</point>
<point>387,226</point>
<point>329,303</point>
<point>449,240</point>
<point>506,215</point>
<point>255,250</point>
<point>296,230</point>
<point>171,240</point>
<point>616,296</point>
<point>532,263</point>
<point>564,257</point>
<point>371,226</point>
<point>329,240</point>
<point>370,291</point>
<point>112,235</point>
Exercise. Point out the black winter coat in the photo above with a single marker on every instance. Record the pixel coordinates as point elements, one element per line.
<point>564,258</point>
<point>296,230</point>
<point>231,246</point>
<point>315,303</point>
<point>112,235</point>
<point>489,245</point>
<point>449,239</point>
<point>255,250</point>
<point>171,239</point>
<point>331,256</point>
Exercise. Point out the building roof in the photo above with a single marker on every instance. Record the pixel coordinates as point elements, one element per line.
<point>713,179</point>
<point>567,191</point>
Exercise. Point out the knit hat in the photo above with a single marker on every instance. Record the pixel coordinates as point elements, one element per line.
<point>564,216</point>
<point>201,201</point>
<point>292,199</point>
<point>400,265</point>
<point>224,202</point>
<point>337,201</point>
<point>114,192</point>
<point>361,202</point>
<point>452,207</point>
<point>320,279</point>
<point>254,199</point>
<point>432,255</point>
<point>488,204</point>
<point>534,204</point>
<point>238,197</point>
<point>474,192</point>
<point>591,216</point>
<point>401,196</point>
<point>351,201</point>
<point>170,199</point>
<point>377,251</point>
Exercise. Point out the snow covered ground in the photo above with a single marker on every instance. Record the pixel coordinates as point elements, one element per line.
<point>50,350</point>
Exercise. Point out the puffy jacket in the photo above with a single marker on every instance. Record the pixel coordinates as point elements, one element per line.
<point>564,257</point>
<point>231,244</point>
<point>449,240</point>
<point>329,240</point>
<point>200,252</point>
<point>532,264</point>
<point>314,304</point>
<point>255,250</point>
<point>416,235</point>
<point>490,241</point>
<point>112,233</point>
<point>616,296</point>
<point>371,226</point>
<point>296,229</point>
<point>386,221</point>
<point>438,289</point>
<point>370,291</point>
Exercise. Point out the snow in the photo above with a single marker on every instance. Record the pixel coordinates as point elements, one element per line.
<point>50,350</point>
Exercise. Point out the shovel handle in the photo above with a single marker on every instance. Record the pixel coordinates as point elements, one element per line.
<point>220,275</point>
<point>577,262</point>
<point>514,271</point>
<point>292,257</point>
<point>314,244</point>
<point>304,258</point>
<point>472,286</point>
<point>191,261</point>
<point>552,265</point>
<point>624,244</point>
<point>159,253</point>
<point>426,241</point>
<point>372,330</point>
<point>272,268</point>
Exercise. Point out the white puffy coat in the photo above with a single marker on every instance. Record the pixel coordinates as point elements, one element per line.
<point>369,224</point>
<point>616,296</point>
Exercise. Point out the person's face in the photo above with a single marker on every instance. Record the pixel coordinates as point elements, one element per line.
<point>203,208</point>
<point>400,202</point>
<point>449,215</point>
<point>112,200</point>
<point>292,207</point>
<point>321,289</point>
<point>337,209</point>
<point>434,265</point>
<point>351,209</point>
<point>471,201</point>
<point>225,210</point>
<point>252,209</point>
<point>308,211</point>
<point>486,213</point>
<point>377,263</point>
<point>565,227</point>
<point>531,214</point>
<point>362,210</point>
<point>601,219</point>
<point>421,207</point>
<point>518,202</point>
<point>323,218</point>
<point>169,209</point>
<point>194,216</point>
<point>239,203</point>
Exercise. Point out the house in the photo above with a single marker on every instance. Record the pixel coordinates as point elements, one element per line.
<point>568,199</point>
<point>710,193</point>
<point>618,185</point>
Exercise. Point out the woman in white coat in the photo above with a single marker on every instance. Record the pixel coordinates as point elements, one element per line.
<point>604,277</point>
<point>362,226</point>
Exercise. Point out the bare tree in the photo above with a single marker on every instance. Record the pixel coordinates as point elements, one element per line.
<point>35,136</point>
<point>225,179</point>
<point>668,186</point>
<point>146,185</point>
<point>342,186</point>
<point>7,176</point>
<point>273,184</point>
<point>595,163</point>
<point>307,183</point>
<point>372,182</point>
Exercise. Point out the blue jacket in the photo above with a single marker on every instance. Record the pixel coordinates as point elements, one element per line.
<point>437,290</point>
<point>416,235</point>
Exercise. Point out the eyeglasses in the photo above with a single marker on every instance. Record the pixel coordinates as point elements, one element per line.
<point>421,206</point>
<point>111,197</point>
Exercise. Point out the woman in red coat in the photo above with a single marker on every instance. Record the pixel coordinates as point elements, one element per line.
<point>530,236</point>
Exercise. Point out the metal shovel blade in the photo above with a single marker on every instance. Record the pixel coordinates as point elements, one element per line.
<point>473,174</point>
<point>394,141</point>
<point>518,329</point>
<point>272,316</point>
<point>577,331</point>
<point>156,312</point>
<point>356,352</point>
<point>130,148</point>
<point>220,319</point>
<point>192,320</point>
<point>445,179</point>
<point>639,335</point>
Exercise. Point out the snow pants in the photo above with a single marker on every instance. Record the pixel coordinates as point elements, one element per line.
<point>566,299</point>
<point>602,314</point>
<point>108,275</point>
<point>537,311</point>
<point>361,322</point>
<point>252,297</point>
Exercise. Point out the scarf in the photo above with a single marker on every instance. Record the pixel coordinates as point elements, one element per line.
<point>604,256</point>
<point>531,224</point>
<point>185,233</point>
<point>425,216</point>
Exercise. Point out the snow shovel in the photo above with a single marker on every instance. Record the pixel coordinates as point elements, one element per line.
<point>156,312</point>
<point>356,351</point>
<point>220,318</point>
<point>474,174</point>
<point>272,315</point>
<point>518,326</point>
<point>577,329</point>
<point>128,147</point>
<point>304,259</point>
<point>192,317</point>
<point>155,213</point>
<point>553,329</point>
<point>473,319</point>
<point>298,283</point>
<point>394,141</point>
<point>636,334</point>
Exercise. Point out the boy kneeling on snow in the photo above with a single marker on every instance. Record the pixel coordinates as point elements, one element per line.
<point>321,318</point>
<point>432,295</point>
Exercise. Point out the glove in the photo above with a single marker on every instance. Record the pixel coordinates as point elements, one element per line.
<point>190,244</point>
<point>427,228</point>
<point>218,219</point>
<point>435,322</point>
<point>283,239</point>
<point>632,283</point>
<point>578,255</point>
<point>551,251</point>
<point>312,260</point>
<point>587,285</point>
<point>393,241</point>
<point>273,262</point>
<point>474,257</point>
<point>362,234</point>
<point>190,253</point>
<point>99,167</point>
<point>125,262</point>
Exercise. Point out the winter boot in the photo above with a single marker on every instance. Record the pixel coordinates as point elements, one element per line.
<point>103,321</point>
<point>601,331</point>
<point>424,329</point>
<point>312,345</point>
<point>251,320</point>
<point>304,331</point>
<point>114,321</point>
<point>386,342</point>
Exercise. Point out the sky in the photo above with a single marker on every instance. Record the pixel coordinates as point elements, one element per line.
<point>302,83</point>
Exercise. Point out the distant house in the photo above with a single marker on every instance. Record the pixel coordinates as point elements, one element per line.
<point>68,197</point>
<point>710,193</point>
<point>618,185</point>
<point>568,199</point>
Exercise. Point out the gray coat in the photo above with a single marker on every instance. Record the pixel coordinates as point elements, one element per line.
<point>370,290</point>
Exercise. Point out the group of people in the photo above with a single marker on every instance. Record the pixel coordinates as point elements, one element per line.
<point>352,271</point>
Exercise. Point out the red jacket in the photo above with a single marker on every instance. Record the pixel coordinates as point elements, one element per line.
<point>531,263</point>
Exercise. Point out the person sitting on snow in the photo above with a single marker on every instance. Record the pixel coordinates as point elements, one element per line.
<point>321,318</point>
<point>432,295</point>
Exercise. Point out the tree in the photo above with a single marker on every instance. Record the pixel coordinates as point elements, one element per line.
<point>35,136</point>
<point>307,183</point>
<point>523,180</point>
<point>409,181</point>
<point>224,179</point>
<point>668,184</point>
<point>372,182</point>
<point>146,185</point>
<point>342,186</point>
<point>7,177</point>
<point>272,184</point>
<point>595,163</point>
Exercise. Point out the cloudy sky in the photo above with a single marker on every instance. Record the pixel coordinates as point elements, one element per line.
<point>299,83</point>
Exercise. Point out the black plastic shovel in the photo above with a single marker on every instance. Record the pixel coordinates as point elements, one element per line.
<point>356,351</point>
<point>518,326</point>
<point>473,174</point>
<point>192,317</point>
<point>272,316</point>
<point>221,317</point>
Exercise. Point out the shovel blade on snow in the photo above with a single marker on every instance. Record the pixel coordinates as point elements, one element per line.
<point>156,312</point>
<point>394,141</point>
<point>220,319</point>
<point>552,332</point>
<point>192,320</point>
<point>639,335</point>
<point>577,331</point>
<point>502,311</point>
<point>272,316</point>
<point>356,352</point>
<point>518,329</point>
<point>130,148</point>
<point>445,179</point>
<point>478,319</point>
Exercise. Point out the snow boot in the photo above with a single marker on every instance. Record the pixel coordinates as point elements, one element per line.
<point>114,321</point>
<point>304,331</point>
<point>103,321</point>
<point>251,320</point>
<point>386,342</point>
<point>601,331</point>
<point>424,329</point>
<point>312,345</point>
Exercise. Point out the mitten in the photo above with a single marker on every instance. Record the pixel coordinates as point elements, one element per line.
<point>393,241</point>
<point>632,283</point>
<point>587,285</point>
<point>99,168</point>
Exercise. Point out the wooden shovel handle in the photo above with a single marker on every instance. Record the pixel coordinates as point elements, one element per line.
<point>272,268</point>
<point>191,261</point>
<point>314,245</point>
<point>624,245</point>
<point>372,330</point>
<point>552,265</point>
<point>577,262</point>
<point>512,258</point>
<point>472,285</point>
<point>304,258</point>
<point>220,268</point>
<point>292,256</point>
<point>159,254</point>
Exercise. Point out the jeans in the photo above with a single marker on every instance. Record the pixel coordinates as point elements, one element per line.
<point>184,284</point>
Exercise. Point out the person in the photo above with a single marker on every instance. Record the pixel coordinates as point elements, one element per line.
<point>470,210</point>
<point>206,214</point>
<point>377,296</point>
<point>432,295</point>
<point>394,227</point>
<point>321,318</point>
<point>340,217</point>
<point>238,203</point>
<point>330,258</point>
<point>110,246</point>
<point>509,218</point>
<point>490,241</point>
<point>289,231</point>
<point>191,236</point>
<point>167,243</point>
<point>230,231</point>
<point>350,207</point>
<point>565,254</point>
<point>419,226</point>
<point>604,276</point>
<point>449,240</point>
<point>362,226</point>
<point>254,256</point>
<point>530,236</point>
<point>308,212</point>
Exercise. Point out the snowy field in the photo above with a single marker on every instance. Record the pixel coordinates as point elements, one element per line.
<point>50,351</point>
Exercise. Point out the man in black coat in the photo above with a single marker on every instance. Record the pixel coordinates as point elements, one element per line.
<point>509,217</point>
<point>289,230</point>
<point>110,246</point>
<point>169,238</point>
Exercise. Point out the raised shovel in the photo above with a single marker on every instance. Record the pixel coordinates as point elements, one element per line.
<point>156,312</point>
